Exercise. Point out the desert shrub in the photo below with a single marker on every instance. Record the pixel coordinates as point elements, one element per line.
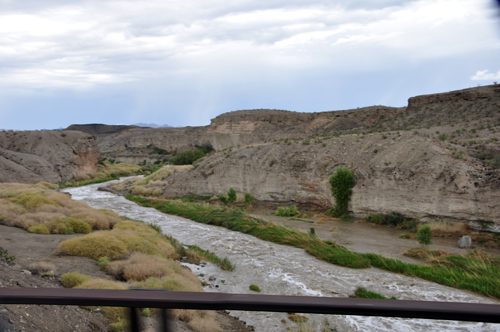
<point>98,283</point>
<point>103,262</point>
<point>78,225</point>
<point>231,196</point>
<point>248,199</point>
<point>95,246</point>
<point>254,288</point>
<point>289,211</point>
<point>139,267</point>
<point>97,220</point>
<point>39,229</point>
<point>139,191</point>
<point>60,226</point>
<point>408,225</point>
<point>395,218</point>
<point>379,219</point>
<point>341,184</point>
<point>41,267</point>
<point>46,185</point>
<point>424,235</point>
<point>205,148</point>
<point>187,157</point>
<point>74,279</point>
<point>5,254</point>
<point>32,200</point>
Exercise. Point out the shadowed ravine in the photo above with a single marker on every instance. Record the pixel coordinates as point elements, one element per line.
<point>284,270</point>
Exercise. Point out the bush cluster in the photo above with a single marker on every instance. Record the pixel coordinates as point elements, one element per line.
<point>341,186</point>
<point>230,198</point>
<point>289,211</point>
<point>187,157</point>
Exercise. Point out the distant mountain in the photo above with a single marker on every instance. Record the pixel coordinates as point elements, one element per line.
<point>151,125</point>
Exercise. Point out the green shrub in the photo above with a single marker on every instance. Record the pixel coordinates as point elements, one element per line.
<point>424,235</point>
<point>341,186</point>
<point>73,279</point>
<point>223,199</point>
<point>39,229</point>
<point>409,225</point>
<point>394,218</point>
<point>231,196</point>
<point>32,201</point>
<point>187,157</point>
<point>287,211</point>
<point>254,288</point>
<point>146,312</point>
<point>103,262</point>
<point>312,231</point>
<point>379,219</point>
<point>78,225</point>
<point>346,218</point>
<point>248,199</point>
<point>5,254</point>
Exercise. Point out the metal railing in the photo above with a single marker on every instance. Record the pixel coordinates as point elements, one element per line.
<point>142,298</point>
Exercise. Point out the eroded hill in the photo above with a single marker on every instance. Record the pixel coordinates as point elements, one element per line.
<point>52,156</point>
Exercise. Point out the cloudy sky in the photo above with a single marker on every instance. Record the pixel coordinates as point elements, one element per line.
<point>183,62</point>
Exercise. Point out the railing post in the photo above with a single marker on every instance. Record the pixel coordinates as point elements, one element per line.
<point>134,320</point>
<point>166,321</point>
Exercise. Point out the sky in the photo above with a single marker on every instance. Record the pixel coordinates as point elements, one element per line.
<point>183,62</point>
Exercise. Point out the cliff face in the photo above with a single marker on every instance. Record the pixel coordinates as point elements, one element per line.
<point>52,156</point>
<point>411,174</point>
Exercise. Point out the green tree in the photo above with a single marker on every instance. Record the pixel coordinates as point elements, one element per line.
<point>231,196</point>
<point>187,157</point>
<point>424,235</point>
<point>249,198</point>
<point>341,185</point>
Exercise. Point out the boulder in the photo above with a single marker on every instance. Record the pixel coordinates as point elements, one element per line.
<point>465,242</point>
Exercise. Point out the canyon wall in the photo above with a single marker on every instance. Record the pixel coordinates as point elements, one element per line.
<point>52,156</point>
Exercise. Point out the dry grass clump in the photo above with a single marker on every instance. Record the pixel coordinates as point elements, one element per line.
<point>95,219</point>
<point>126,237</point>
<point>139,267</point>
<point>95,246</point>
<point>32,200</point>
<point>74,279</point>
<point>98,283</point>
<point>198,320</point>
<point>46,185</point>
<point>41,267</point>
<point>39,229</point>
<point>25,221</point>
<point>26,206</point>
<point>443,229</point>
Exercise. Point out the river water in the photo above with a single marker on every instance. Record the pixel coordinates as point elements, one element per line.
<point>284,270</point>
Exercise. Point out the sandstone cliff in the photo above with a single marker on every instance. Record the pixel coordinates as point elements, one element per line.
<point>52,156</point>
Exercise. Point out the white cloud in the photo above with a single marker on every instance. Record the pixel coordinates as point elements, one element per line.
<point>105,42</point>
<point>483,75</point>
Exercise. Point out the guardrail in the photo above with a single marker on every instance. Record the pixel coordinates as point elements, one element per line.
<point>142,298</point>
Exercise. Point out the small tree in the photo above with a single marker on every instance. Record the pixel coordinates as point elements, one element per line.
<point>231,196</point>
<point>424,235</point>
<point>341,185</point>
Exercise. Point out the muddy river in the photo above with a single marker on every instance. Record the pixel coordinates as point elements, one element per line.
<point>284,270</point>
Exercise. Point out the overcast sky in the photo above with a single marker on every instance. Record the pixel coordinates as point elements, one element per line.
<point>183,62</point>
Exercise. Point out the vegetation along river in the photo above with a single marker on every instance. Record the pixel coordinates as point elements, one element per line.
<point>284,270</point>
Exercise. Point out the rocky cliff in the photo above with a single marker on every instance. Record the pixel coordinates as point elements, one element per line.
<point>439,157</point>
<point>52,156</point>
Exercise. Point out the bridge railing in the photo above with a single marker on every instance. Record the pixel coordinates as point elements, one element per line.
<point>142,298</point>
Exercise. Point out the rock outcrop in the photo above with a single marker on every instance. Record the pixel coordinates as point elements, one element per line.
<point>52,156</point>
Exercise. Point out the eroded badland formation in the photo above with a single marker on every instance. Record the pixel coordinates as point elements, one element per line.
<point>437,157</point>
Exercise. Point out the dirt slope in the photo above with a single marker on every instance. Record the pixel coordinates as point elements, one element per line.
<point>52,156</point>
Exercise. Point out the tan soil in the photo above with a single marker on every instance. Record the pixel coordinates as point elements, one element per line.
<point>28,248</point>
